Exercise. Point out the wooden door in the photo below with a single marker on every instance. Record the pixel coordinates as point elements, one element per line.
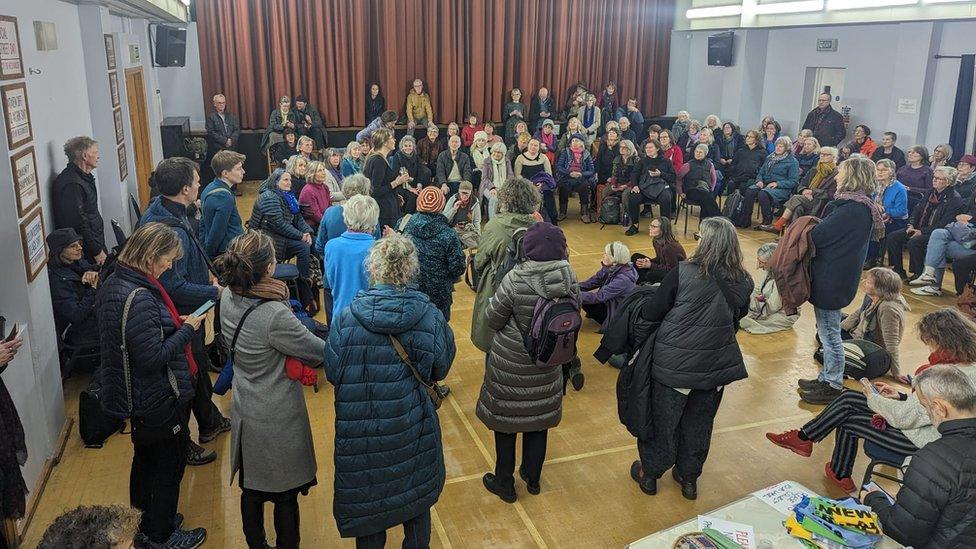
<point>135,92</point>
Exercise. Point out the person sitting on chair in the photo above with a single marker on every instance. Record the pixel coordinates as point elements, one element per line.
<point>652,183</point>
<point>696,180</point>
<point>775,182</point>
<point>73,281</point>
<point>278,213</point>
<point>602,293</point>
<point>816,190</point>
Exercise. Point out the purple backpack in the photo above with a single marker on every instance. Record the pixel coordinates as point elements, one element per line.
<point>551,337</point>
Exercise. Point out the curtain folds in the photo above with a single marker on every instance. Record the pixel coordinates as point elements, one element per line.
<point>470,53</point>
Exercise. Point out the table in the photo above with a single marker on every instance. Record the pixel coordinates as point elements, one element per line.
<point>765,519</point>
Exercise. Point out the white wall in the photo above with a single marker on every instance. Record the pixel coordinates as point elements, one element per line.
<point>181,88</point>
<point>884,63</point>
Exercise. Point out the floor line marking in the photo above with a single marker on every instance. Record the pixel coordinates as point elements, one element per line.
<point>533,531</point>
<point>441,532</point>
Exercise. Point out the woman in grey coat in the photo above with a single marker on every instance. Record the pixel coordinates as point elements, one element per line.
<point>271,439</point>
<point>517,396</point>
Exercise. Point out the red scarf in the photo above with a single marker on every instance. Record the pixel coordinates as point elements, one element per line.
<point>174,314</point>
<point>936,358</point>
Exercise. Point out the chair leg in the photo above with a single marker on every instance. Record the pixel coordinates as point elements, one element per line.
<point>686,207</point>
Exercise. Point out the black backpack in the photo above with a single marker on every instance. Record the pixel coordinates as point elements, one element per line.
<point>609,210</point>
<point>732,209</point>
<point>513,256</point>
<point>93,423</point>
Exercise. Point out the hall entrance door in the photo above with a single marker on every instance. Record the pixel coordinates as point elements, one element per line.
<point>135,91</point>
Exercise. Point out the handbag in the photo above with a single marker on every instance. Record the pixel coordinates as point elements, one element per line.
<point>226,377</point>
<point>652,187</point>
<point>431,387</point>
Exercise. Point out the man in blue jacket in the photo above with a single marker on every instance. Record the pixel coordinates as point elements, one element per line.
<point>188,284</point>
<point>221,221</point>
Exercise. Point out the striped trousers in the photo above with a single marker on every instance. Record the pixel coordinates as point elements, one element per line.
<point>849,416</point>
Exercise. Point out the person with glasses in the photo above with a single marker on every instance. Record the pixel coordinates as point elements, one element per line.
<point>935,211</point>
<point>668,252</point>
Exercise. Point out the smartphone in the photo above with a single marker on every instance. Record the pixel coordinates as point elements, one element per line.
<point>867,383</point>
<point>13,334</point>
<point>204,308</point>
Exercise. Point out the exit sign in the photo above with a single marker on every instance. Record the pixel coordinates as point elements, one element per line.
<point>827,44</point>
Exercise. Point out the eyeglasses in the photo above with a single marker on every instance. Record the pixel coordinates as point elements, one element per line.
<point>943,179</point>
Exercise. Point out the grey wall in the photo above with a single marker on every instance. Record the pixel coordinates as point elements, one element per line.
<point>181,88</point>
<point>884,62</point>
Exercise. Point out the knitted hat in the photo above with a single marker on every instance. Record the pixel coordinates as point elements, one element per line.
<point>547,122</point>
<point>60,239</point>
<point>969,159</point>
<point>544,242</point>
<point>465,186</point>
<point>431,200</point>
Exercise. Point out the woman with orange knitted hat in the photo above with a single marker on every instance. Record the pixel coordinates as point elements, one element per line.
<point>439,249</point>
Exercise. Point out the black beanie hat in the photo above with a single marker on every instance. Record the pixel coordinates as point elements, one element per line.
<point>544,242</point>
<point>60,239</point>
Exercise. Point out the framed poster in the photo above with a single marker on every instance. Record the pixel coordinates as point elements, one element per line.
<point>119,132</point>
<point>16,114</point>
<point>23,166</point>
<point>113,87</point>
<point>110,51</point>
<point>123,163</point>
<point>11,61</point>
<point>32,240</point>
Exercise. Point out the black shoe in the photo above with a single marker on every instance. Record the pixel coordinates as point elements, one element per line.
<point>821,394</point>
<point>507,494</point>
<point>443,390</point>
<point>576,374</point>
<point>223,425</point>
<point>689,490</point>
<point>647,485</point>
<point>198,455</point>
<point>632,230</point>
<point>807,384</point>
<point>901,273</point>
<point>561,216</point>
<point>533,488</point>
<point>177,520</point>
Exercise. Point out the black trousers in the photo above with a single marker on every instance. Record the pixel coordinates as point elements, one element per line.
<point>766,203</point>
<point>849,417</point>
<point>898,241</point>
<point>646,276</point>
<point>963,270</point>
<point>533,455</point>
<point>596,311</point>
<point>154,482</point>
<point>682,431</point>
<point>286,518</point>
<point>579,186</point>
<point>416,535</point>
<point>704,200</point>
<point>202,404</point>
<point>549,212</point>
<point>633,202</point>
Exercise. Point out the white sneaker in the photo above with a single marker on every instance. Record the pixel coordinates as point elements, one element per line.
<point>923,280</point>
<point>927,290</point>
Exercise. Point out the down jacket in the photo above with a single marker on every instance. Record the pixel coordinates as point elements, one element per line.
<point>271,215</point>
<point>389,460</point>
<point>73,302</point>
<point>517,396</point>
<point>586,167</point>
<point>441,256</point>
<point>786,175</point>
<point>612,284</point>
<point>153,342</point>
<point>934,507</point>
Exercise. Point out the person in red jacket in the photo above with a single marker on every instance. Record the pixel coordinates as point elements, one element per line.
<point>472,127</point>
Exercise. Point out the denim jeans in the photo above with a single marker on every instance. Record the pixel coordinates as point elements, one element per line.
<point>299,250</point>
<point>828,329</point>
<point>942,246</point>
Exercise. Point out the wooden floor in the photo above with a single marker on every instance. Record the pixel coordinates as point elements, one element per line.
<point>587,499</point>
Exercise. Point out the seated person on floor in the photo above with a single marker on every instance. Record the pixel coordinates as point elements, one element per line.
<point>766,311</point>
<point>93,526</point>
<point>73,281</point>
<point>602,293</point>
<point>887,418</point>
<point>938,209</point>
<point>668,252</point>
<point>816,189</point>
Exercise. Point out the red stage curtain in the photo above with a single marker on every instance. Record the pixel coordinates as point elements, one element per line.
<point>470,53</point>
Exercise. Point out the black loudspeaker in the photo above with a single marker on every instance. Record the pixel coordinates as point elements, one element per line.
<point>172,131</point>
<point>720,48</point>
<point>170,47</point>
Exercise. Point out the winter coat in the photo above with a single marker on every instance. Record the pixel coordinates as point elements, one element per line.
<point>827,126</point>
<point>389,459</point>
<point>895,200</point>
<point>418,107</point>
<point>928,217</point>
<point>623,170</point>
<point>492,249</point>
<point>695,171</point>
<point>188,281</point>
<point>271,438</point>
<point>841,244</point>
<point>72,301</point>
<point>272,215</point>
<point>440,254</point>
<point>345,272</point>
<point>445,164</point>
<point>375,106</point>
<point>823,194</point>
<point>766,309</point>
<point>221,221</point>
<point>695,346</point>
<point>659,162</point>
<point>511,120</point>
<point>934,506</point>
<point>276,124</point>
<point>786,174</point>
<point>488,175</point>
<point>350,166</point>
<point>317,198</point>
<point>74,203</point>
<point>606,159</point>
<point>155,346</point>
<point>539,106</point>
<point>429,151</point>
<point>517,396</point>
<point>219,130</point>
<point>746,163</point>
<point>565,161</point>
<point>612,284</point>
<point>883,323</point>
<point>473,216</point>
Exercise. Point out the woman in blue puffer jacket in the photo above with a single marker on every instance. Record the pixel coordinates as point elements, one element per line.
<point>152,384</point>
<point>775,181</point>
<point>389,459</point>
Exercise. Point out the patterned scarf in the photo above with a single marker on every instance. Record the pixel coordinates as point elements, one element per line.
<point>268,288</point>
<point>878,228</point>
<point>290,199</point>
<point>773,158</point>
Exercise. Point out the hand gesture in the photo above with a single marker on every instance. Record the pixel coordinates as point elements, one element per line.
<point>8,349</point>
<point>808,194</point>
<point>90,278</point>
<point>100,258</point>
<point>643,263</point>
<point>307,238</point>
<point>192,320</point>
<point>887,391</point>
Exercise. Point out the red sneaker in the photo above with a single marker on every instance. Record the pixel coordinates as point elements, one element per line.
<point>791,441</point>
<point>846,484</point>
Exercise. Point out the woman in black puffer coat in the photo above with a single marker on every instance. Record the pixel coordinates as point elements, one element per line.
<point>137,316</point>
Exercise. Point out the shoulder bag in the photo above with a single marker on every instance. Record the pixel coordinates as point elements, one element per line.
<point>430,387</point>
<point>226,376</point>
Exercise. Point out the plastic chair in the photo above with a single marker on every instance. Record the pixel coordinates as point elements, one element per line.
<point>882,456</point>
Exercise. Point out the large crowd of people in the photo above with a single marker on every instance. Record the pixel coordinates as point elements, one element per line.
<point>378,234</point>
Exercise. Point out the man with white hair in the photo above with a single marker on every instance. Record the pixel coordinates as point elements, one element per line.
<point>936,505</point>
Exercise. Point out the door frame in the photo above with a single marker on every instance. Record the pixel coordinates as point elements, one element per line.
<point>141,143</point>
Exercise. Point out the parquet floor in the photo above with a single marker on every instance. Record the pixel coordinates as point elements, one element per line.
<point>587,499</point>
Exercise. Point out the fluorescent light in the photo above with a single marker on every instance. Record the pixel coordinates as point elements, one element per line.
<point>943,1</point>
<point>717,11</point>
<point>858,4</point>
<point>789,7</point>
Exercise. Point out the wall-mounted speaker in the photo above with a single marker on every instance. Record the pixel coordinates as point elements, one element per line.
<point>170,47</point>
<point>720,49</point>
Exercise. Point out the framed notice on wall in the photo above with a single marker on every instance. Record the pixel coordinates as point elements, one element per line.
<point>110,51</point>
<point>16,114</point>
<point>119,132</point>
<point>11,62</point>
<point>123,163</point>
<point>32,239</point>
<point>24,169</point>
<point>113,87</point>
